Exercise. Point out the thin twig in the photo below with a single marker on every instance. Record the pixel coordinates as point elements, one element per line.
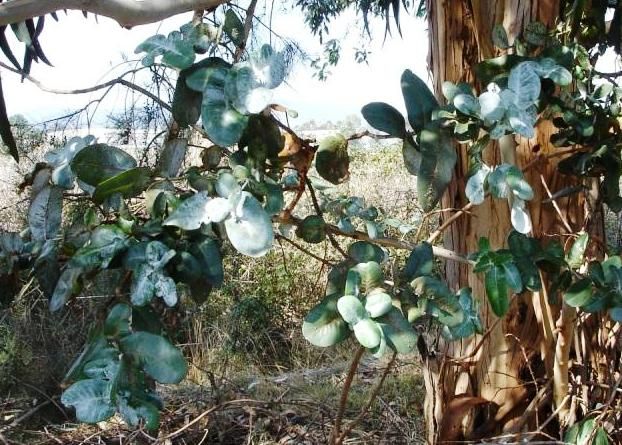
<point>449,222</point>
<point>335,434</point>
<point>117,81</point>
<point>555,205</point>
<point>370,401</point>
<point>248,24</point>
<point>304,250</point>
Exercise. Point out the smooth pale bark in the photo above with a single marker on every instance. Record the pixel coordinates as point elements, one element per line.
<point>127,12</point>
<point>522,345</point>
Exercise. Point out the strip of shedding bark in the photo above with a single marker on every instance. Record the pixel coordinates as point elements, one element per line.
<point>561,366</point>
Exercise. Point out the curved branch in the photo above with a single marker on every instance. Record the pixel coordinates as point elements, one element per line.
<point>127,13</point>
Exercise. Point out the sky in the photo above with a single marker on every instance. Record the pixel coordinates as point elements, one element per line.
<point>86,52</point>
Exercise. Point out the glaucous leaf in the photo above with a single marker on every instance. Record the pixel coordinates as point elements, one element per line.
<point>199,209</point>
<point>45,213</point>
<point>176,51</point>
<point>249,227</point>
<point>323,326</point>
<point>475,187</point>
<point>419,100</point>
<point>351,309</point>
<point>98,162</point>
<point>367,332</point>
<point>91,398</point>
<point>579,293</point>
<point>420,262</point>
<point>521,221</point>
<point>157,356</point>
<point>378,303</point>
<point>66,286</point>
<point>525,83</point>
<point>397,331</point>
<point>385,118</point>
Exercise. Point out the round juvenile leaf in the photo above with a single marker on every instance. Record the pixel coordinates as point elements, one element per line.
<point>385,118</point>
<point>158,357</point>
<point>117,322</point>
<point>249,227</point>
<point>467,104</point>
<point>323,326</point>
<point>492,106</point>
<point>363,251</point>
<point>420,262</point>
<point>397,332</point>
<point>474,190</point>
<point>96,163</point>
<point>367,332</point>
<point>332,161</point>
<point>91,398</point>
<point>579,293</point>
<point>519,186</point>
<point>378,303</point>
<point>370,274</point>
<point>351,309</point>
<point>525,83</point>
<point>199,209</point>
<point>312,229</point>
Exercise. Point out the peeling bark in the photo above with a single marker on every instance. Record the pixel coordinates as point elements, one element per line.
<point>128,13</point>
<point>521,347</point>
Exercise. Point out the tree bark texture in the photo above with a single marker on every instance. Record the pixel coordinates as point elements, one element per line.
<point>127,12</point>
<point>517,357</point>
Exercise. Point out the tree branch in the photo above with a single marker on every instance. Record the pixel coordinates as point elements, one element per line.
<point>127,13</point>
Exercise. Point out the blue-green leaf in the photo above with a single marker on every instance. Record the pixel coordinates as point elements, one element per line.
<point>91,398</point>
<point>176,51</point>
<point>419,100</point>
<point>249,227</point>
<point>158,357</point>
<point>385,118</point>
<point>497,291</point>
<point>323,326</point>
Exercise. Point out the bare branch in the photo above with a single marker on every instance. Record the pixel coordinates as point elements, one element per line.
<point>127,13</point>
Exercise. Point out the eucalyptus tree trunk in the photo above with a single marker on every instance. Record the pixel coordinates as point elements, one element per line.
<point>497,376</point>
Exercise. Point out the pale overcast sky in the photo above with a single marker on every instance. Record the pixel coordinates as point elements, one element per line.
<point>84,52</point>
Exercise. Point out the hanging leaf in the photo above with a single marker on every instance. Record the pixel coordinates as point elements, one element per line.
<point>363,251</point>
<point>45,213</point>
<point>157,356</point>
<point>521,221</point>
<point>171,157</point>
<point>385,118</point>
<point>475,187</point>
<point>66,286</point>
<point>233,27</point>
<point>117,322</point>
<point>332,161</point>
<point>438,159</point>
<point>492,108</point>
<point>497,291</point>
<point>419,100</point>
<point>323,326</point>
<point>577,251</point>
<point>467,104</point>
